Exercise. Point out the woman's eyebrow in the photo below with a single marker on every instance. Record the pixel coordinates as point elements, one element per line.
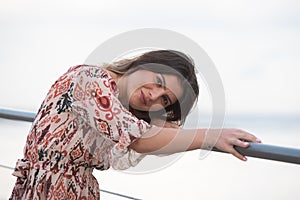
<point>164,81</point>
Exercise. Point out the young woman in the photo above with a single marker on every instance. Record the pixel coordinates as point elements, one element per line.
<point>112,116</point>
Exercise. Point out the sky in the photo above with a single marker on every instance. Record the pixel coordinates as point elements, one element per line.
<point>254,44</point>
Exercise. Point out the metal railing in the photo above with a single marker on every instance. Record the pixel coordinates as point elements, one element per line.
<point>16,115</point>
<point>269,152</point>
<point>257,150</point>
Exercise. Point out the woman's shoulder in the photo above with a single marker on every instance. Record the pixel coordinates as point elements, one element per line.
<point>85,67</point>
<point>91,71</point>
<point>82,70</point>
<point>93,75</point>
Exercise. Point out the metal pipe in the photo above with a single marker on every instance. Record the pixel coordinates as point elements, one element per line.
<point>17,115</point>
<point>257,150</point>
<point>269,152</point>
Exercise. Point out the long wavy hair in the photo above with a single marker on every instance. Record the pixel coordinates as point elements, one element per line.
<point>165,62</point>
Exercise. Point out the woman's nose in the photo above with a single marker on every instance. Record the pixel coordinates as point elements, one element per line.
<point>156,93</point>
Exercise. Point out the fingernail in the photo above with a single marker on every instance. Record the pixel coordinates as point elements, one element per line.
<point>244,159</point>
<point>246,143</point>
<point>258,140</point>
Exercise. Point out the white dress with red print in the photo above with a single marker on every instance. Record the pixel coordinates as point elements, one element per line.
<point>81,125</point>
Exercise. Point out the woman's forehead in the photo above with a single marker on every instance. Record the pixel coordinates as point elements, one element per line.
<point>173,86</point>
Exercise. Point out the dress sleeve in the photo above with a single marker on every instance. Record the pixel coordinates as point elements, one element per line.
<point>95,102</point>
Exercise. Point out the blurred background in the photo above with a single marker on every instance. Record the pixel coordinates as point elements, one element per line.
<point>255,46</point>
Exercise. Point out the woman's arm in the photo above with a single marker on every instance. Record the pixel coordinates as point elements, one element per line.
<point>169,140</point>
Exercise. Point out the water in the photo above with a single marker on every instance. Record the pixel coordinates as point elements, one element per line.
<point>218,176</point>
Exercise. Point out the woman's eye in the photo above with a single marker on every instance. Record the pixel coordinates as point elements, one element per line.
<point>165,100</point>
<point>159,81</point>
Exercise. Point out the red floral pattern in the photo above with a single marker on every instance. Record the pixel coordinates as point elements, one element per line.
<point>81,125</point>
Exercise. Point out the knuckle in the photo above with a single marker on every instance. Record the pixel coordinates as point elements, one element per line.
<point>239,131</point>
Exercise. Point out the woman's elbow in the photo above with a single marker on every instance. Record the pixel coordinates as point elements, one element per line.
<point>139,146</point>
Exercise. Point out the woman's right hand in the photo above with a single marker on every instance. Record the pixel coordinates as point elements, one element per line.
<point>165,124</point>
<point>229,138</point>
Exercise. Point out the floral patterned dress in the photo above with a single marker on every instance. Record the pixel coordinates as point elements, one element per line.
<point>81,125</point>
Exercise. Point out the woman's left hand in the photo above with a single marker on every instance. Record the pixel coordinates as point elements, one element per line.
<point>235,137</point>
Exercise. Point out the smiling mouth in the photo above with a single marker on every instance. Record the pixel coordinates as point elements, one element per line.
<point>142,98</point>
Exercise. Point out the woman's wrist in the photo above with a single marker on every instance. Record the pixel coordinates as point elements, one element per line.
<point>211,137</point>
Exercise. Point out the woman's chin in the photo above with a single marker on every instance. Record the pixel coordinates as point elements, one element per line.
<point>138,108</point>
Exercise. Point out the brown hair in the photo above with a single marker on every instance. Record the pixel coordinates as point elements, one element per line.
<point>161,61</point>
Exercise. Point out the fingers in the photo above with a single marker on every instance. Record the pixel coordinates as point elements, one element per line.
<point>243,140</point>
<point>165,124</point>
<point>235,137</point>
<point>238,155</point>
<point>170,125</point>
<point>245,136</point>
<point>242,144</point>
<point>174,126</point>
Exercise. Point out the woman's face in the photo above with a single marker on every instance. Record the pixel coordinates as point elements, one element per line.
<point>150,91</point>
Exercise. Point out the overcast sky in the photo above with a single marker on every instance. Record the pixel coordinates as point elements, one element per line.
<point>255,45</point>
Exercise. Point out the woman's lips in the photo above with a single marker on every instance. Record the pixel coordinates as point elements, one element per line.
<point>142,98</point>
